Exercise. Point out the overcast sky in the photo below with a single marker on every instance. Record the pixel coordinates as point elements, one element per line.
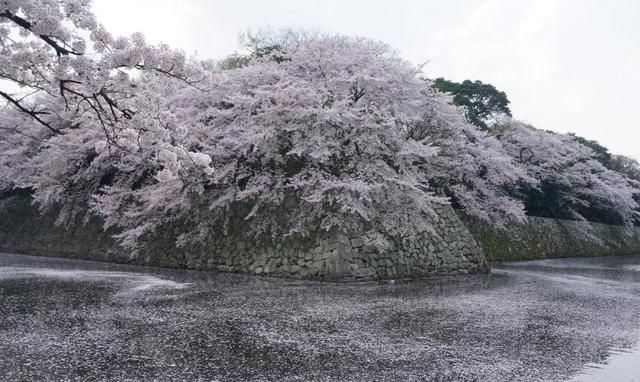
<point>568,66</point>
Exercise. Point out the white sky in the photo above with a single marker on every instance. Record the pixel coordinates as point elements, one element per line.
<point>568,66</point>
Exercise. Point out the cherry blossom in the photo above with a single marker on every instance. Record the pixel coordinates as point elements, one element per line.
<point>580,183</point>
<point>316,133</point>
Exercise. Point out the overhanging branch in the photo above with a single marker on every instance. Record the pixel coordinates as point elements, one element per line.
<point>61,49</point>
<point>32,113</point>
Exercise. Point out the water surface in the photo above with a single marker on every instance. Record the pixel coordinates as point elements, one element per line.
<point>550,320</point>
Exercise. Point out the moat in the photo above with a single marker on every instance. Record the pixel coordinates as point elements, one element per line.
<point>545,320</point>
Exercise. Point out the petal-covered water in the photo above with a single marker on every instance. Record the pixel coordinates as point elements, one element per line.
<point>551,320</point>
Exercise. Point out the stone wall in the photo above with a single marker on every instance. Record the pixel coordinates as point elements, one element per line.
<point>543,238</point>
<point>24,230</point>
<point>450,249</point>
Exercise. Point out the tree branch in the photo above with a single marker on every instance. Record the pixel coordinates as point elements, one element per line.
<point>32,113</point>
<point>61,50</point>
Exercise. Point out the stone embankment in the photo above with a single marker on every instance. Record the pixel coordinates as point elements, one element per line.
<point>449,249</point>
<point>456,246</point>
<point>540,238</point>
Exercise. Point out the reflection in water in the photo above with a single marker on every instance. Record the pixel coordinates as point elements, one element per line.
<point>621,365</point>
<point>133,281</point>
<point>632,267</point>
<point>549,320</point>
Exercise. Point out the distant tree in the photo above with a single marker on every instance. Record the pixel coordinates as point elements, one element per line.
<point>267,41</point>
<point>483,104</point>
<point>263,43</point>
<point>601,153</point>
<point>625,165</point>
<point>233,61</point>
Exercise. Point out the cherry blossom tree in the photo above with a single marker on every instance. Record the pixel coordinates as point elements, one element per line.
<point>318,133</point>
<point>312,127</point>
<point>471,167</point>
<point>79,109</point>
<point>573,183</point>
<point>353,132</point>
